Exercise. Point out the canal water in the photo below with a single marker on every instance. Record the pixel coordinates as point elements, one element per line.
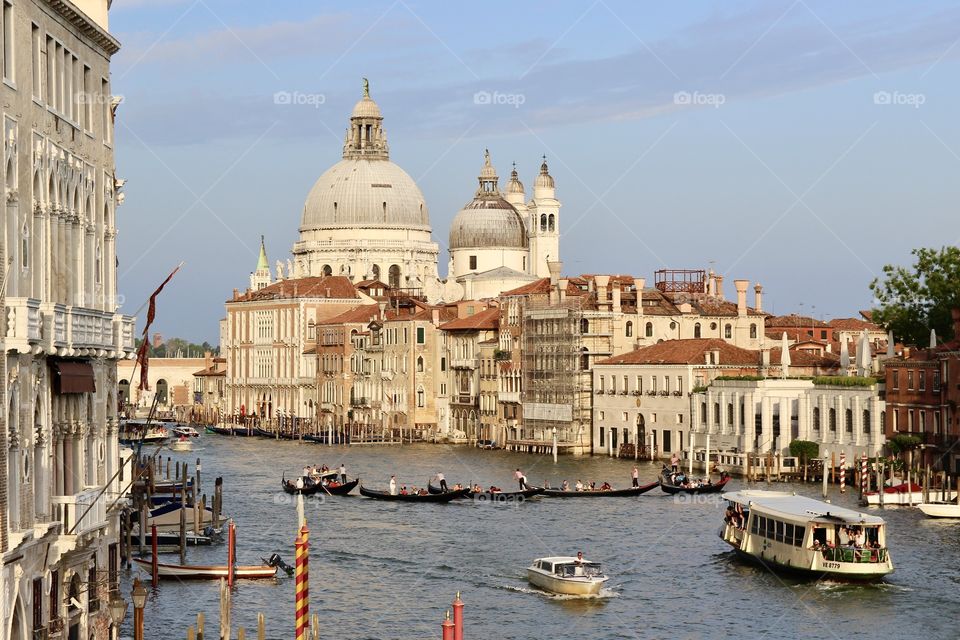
<point>388,570</point>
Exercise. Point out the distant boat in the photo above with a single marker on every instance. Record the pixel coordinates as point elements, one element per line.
<point>182,444</point>
<point>185,430</point>
<point>493,496</point>
<point>172,538</point>
<point>566,575</point>
<point>323,487</point>
<point>904,494</point>
<point>411,497</point>
<point>940,510</point>
<point>706,487</point>
<point>133,431</point>
<point>167,517</point>
<point>208,572</point>
<point>602,493</point>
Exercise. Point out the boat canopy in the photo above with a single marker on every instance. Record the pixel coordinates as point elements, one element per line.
<point>791,505</point>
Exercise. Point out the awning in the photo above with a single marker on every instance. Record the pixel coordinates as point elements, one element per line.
<point>73,377</point>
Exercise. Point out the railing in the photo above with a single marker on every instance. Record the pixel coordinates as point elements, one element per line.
<point>465,363</point>
<point>82,512</point>
<point>23,323</point>
<point>359,402</point>
<point>854,555</point>
<point>509,396</point>
<point>90,328</point>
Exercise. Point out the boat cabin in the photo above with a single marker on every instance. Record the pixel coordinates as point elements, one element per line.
<point>569,568</point>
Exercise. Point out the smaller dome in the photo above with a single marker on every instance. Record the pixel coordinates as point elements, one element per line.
<point>488,222</point>
<point>366,108</point>
<point>514,186</point>
<point>544,179</point>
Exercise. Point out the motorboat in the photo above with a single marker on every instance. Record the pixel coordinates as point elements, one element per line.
<point>183,443</point>
<point>566,575</point>
<point>905,494</point>
<point>796,534</point>
<point>186,431</point>
<point>133,431</point>
<point>940,509</point>
<point>208,572</point>
<point>167,517</point>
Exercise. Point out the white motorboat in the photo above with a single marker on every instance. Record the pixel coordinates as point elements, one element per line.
<point>186,430</point>
<point>904,494</point>
<point>798,534</point>
<point>142,431</point>
<point>183,443</point>
<point>566,575</point>
<point>940,509</point>
<point>167,517</point>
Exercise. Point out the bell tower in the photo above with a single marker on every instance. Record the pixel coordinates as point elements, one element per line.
<point>544,223</point>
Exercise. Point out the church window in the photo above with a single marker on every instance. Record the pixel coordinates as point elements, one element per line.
<point>334,210</point>
<point>753,331</point>
<point>543,222</point>
<point>629,329</point>
<point>727,331</point>
<point>420,364</point>
<point>696,330</point>
<point>553,222</point>
<point>649,330</point>
<point>327,270</point>
<point>394,276</point>
<point>473,262</point>
<point>384,211</point>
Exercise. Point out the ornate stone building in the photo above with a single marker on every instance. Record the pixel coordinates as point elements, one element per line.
<point>61,333</point>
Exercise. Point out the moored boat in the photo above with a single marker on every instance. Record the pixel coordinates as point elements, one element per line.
<point>167,517</point>
<point>322,487</point>
<point>940,509</point>
<point>601,493</point>
<point>802,535</point>
<point>208,572</point>
<point>905,494</point>
<point>566,575</point>
<point>410,497</point>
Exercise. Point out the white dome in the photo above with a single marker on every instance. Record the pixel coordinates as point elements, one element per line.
<point>362,193</point>
<point>488,222</point>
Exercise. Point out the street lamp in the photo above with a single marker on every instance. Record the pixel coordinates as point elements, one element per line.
<point>118,611</point>
<point>139,601</point>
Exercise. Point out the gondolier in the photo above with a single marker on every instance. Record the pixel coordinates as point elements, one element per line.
<point>343,474</point>
<point>393,485</point>
<point>635,474</point>
<point>521,479</point>
<point>442,481</point>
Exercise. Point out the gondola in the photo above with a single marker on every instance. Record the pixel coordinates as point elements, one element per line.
<point>318,487</point>
<point>208,572</point>
<point>671,488</point>
<point>494,496</point>
<point>609,493</point>
<point>430,497</point>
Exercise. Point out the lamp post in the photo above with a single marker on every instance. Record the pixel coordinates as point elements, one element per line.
<point>139,601</point>
<point>118,611</point>
<point>554,445</point>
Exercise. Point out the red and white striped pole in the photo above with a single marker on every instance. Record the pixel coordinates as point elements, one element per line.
<point>843,472</point>
<point>864,477</point>
<point>303,583</point>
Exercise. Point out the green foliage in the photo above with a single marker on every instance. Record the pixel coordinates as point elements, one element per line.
<point>700,388</point>
<point>902,442</point>
<point>804,449</point>
<point>501,354</point>
<point>913,301</point>
<point>180,348</point>
<point>845,381</point>
<point>743,378</point>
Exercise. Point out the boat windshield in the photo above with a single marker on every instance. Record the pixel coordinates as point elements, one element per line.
<point>586,569</point>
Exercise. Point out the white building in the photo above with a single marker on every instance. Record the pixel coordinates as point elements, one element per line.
<point>365,217</point>
<point>499,242</point>
<point>62,335</point>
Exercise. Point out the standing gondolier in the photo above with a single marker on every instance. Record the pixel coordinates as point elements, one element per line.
<point>393,485</point>
<point>343,474</point>
<point>521,479</point>
<point>635,474</point>
<point>442,481</point>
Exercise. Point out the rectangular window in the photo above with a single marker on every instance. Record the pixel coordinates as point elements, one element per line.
<point>49,54</point>
<point>798,533</point>
<point>936,381</point>
<point>626,417</point>
<point>923,421</point>
<point>602,437</point>
<point>896,379</point>
<point>473,262</point>
<point>679,388</point>
<point>105,117</point>
<point>601,415</point>
<point>35,44</point>
<point>87,99</point>
<point>626,384</point>
<point>922,380</point>
<point>8,42</point>
<point>421,335</point>
<point>639,384</point>
<point>910,380</point>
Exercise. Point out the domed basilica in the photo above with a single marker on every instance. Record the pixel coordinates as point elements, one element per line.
<point>365,218</point>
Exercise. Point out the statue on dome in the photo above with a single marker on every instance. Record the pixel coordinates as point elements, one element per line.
<point>366,88</point>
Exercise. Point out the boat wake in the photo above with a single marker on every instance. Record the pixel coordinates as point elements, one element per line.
<point>605,594</point>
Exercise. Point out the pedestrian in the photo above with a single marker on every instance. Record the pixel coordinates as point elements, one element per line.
<point>343,474</point>
<point>635,474</point>
<point>393,485</point>
<point>521,480</point>
<point>674,463</point>
<point>442,481</point>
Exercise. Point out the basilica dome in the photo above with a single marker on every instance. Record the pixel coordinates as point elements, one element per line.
<point>488,221</point>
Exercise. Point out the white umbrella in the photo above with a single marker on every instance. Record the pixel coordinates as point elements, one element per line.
<point>933,338</point>
<point>784,356</point>
<point>844,357</point>
<point>890,345</point>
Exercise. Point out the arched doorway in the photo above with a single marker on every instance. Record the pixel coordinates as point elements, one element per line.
<point>162,389</point>
<point>394,276</point>
<point>123,388</point>
<point>641,434</point>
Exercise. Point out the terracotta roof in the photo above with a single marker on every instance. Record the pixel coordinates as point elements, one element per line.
<point>486,319</point>
<point>542,286</point>
<point>794,320</point>
<point>855,324</point>
<point>688,351</point>
<point>361,314</point>
<point>313,287</point>
<point>212,371</point>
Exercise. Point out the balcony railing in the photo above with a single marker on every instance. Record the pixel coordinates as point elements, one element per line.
<point>509,396</point>
<point>465,363</point>
<point>80,513</point>
<point>67,330</point>
<point>23,323</point>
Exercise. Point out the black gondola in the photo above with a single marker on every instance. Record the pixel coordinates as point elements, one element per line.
<point>494,496</point>
<point>429,497</point>
<point>600,493</point>
<point>669,487</point>
<point>319,488</point>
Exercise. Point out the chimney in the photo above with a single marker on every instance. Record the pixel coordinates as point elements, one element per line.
<point>719,292</point>
<point>562,288</point>
<point>639,284</point>
<point>236,293</point>
<point>602,283</point>
<point>741,286</point>
<point>435,317</point>
<point>711,283</point>
<point>383,310</point>
<point>555,267</point>
<point>207,359</point>
<point>616,298</point>
<point>758,290</point>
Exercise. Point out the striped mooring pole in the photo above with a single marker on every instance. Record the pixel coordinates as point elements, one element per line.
<point>864,477</point>
<point>303,582</point>
<point>843,472</point>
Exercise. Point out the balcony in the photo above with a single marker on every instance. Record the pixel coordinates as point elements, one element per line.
<point>465,363</point>
<point>464,399</point>
<point>81,513</point>
<point>359,402</point>
<point>23,324</point>
<point>509,396</point>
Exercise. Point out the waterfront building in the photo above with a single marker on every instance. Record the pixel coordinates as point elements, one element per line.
<point>170,382</point>
<point>209,389</point>
<point>499,242</point>
<point>62,334</point>
<point>465,338</point>
<point>922,396</point>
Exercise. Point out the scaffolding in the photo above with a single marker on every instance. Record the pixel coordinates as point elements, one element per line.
<point>556,388</point>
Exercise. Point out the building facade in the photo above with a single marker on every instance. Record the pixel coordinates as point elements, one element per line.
<point>62,334</point>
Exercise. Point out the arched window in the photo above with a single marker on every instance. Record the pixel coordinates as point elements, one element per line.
<point>394,276</point>
<point>730,414</point>
<point>584,326</point>
<point>124,392</point>
<point>696,330</point>
<point>162,391</point>
<point>648,330</point>
<point>816,418</point>
<point>584,359</point>
<point>629,329</point>
<point>376,272</point>
<point>552,223</point>
<point>703,412</point>
<point>384,211</point>
<point>327,270</point>
<point>98,265</point>
<point>420,364</point>
<point>25,246</point>
<point>727,331</point>
<point>833,419</point>
<point>543,222</point>
<point>753,331</point>
<point>716,413</point>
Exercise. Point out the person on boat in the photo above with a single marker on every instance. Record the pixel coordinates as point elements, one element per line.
<point>300,483</point>
<point>635,475</point>
<point>565,486</point>
<point>674,463</point>
<point>578,568</point>
<point>403,490</point>
<point>579,486</point>
<point>343,474</point>
<point>442,481</point>
<point>521,479</point>
<point>605,487</point>
<point>477,488</point>
<point>422,492</point>
<point>393,485</point>
<point>306,472</point>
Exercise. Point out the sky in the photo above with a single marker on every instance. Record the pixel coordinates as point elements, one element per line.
<point>800,144</point>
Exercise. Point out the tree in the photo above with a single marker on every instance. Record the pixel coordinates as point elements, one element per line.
<point>913,301</point>
<point>804,449</point>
